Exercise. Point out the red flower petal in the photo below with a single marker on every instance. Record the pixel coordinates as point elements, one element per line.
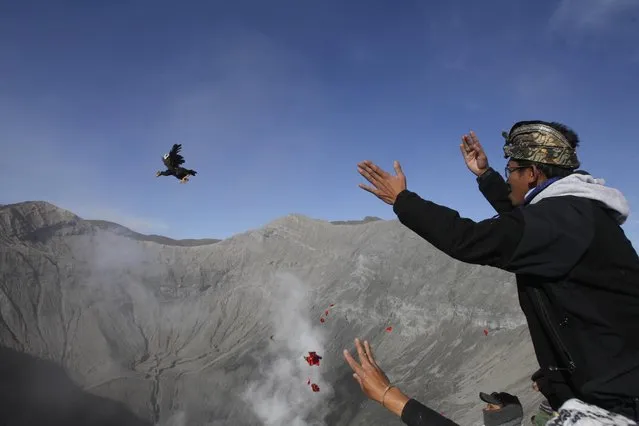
<point>315,387</point>
<point>389,329</point>
<point>313,358</point>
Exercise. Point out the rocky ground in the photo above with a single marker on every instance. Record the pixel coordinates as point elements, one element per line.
<point>99,321</point>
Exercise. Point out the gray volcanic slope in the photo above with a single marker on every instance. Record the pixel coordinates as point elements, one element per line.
<point>189,334</point>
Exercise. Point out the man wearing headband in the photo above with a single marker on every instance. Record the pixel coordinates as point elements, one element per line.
<point>546,151</point>
<point>558,229</point>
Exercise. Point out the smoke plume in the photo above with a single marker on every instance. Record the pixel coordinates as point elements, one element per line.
<point>283,395</point>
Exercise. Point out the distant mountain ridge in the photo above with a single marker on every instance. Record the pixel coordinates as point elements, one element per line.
<point>160,239</point>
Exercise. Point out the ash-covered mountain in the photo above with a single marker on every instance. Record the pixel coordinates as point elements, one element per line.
<point>101,325</point>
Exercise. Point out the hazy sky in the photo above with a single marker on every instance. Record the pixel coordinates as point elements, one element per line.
<point>275,102</point>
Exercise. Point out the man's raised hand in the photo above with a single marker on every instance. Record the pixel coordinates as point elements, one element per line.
<point>386,187</point>
<point>473,153</point>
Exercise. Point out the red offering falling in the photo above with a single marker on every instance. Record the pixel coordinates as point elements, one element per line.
<point>315,387</point>
<point>313,358</point>
<point>485,332</point>
<point>389,329</point>
<point>322,319</point>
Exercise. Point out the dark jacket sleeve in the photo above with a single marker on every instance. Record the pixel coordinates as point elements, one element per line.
<point>546,238</point>
<point>495,189</point>
<point>417,414</point>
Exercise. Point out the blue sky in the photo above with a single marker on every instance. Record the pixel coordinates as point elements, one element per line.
<point>276,102</point>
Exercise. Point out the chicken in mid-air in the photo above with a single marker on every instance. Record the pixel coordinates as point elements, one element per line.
<point>173,162</point>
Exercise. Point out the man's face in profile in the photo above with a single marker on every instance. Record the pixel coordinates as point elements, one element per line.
<point>519,180</point>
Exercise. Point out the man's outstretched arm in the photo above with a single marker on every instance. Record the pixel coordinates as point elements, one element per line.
<point>544,239</point>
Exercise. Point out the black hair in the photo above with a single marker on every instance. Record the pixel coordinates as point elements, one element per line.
<point>548,170</point>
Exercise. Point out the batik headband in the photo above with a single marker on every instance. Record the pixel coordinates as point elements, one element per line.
<point>540,143</point>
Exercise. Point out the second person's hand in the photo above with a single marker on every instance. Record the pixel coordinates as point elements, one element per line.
<point>373,381</point>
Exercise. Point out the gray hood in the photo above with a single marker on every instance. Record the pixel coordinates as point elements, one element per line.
<point>584,185</point>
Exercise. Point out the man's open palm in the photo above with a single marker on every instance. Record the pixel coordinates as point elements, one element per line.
<point>473,153</point>
<point>385,186</point>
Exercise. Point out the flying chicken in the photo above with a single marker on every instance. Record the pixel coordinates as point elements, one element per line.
<point>173,162</point>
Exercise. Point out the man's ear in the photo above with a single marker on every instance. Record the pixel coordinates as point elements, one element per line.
<point>535,175</point>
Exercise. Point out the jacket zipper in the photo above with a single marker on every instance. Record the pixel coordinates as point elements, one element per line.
<point>555,333</point>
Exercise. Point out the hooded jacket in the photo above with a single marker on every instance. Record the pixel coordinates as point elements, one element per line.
<point>581,184</point>
<point>577,278</point>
